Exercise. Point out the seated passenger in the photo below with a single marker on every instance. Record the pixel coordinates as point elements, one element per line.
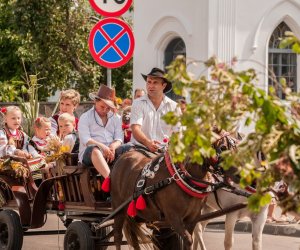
<point>38,148</point>
<point>68,135</point>
<point>38,144</point>
<point>13,141</point>
<point>69,101</point>
<point>126,124</point>
<point>100,131</point>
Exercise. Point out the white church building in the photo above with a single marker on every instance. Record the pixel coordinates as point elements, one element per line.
<point>199,29</point>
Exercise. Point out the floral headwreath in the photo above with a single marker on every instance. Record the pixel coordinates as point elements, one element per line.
<point>3,110</point>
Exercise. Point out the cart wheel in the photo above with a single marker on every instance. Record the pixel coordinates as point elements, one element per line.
<point>11,231</point>
<point>78,237</point>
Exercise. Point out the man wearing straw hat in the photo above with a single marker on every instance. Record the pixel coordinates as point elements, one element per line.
<point>100,131</point>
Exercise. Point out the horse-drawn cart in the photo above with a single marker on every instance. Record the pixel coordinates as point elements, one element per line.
<point>75,196</point>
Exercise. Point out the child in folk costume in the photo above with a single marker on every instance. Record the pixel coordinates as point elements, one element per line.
<point>68,135</point>
<point>38,147</point>
<point>126,124</point>
<point>38,144</point>
<point>13,141</point>
<point>69,100</point>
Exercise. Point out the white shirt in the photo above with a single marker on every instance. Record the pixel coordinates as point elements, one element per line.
<point>90,126</point>
<point>54,126</point>
<point>6,149</point>
<point>153,126</point>
<point>69,141</point>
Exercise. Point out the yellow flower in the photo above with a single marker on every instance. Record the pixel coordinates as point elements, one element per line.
<point>263,163</point>
<point>119,100</point>
<point>65,149</point>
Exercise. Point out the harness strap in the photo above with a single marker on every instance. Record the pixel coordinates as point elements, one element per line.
<point>151,189</point>
<point>148,190</point>
<point>180,182</point>
<point>145,151</point>
<point>217,199</point>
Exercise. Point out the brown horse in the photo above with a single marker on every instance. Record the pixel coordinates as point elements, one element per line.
<point>179,209</point>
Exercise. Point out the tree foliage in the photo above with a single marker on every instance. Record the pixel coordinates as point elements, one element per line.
<point>51,37</point>
<point>225,100</point>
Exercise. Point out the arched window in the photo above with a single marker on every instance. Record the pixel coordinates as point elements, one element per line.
<point>282,62</point>
<point>175,48</point>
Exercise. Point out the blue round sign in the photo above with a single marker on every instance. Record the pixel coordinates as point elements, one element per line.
<point>111,42</point>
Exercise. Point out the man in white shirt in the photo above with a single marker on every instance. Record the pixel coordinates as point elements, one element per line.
<point>148,128</point>
<point>100,131</point>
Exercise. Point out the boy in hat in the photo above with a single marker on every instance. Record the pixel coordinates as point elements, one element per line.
<point>100,131</point>
<point>148,129</point>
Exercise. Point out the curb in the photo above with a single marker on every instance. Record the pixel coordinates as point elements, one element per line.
<point>291,230</point>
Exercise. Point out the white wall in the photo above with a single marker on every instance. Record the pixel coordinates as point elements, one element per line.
<point>224,28</point>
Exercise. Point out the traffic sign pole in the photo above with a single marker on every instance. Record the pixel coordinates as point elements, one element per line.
<point>108,76</point>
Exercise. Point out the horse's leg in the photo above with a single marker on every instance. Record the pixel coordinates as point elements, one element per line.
<point>229,228</point>
<point>197,237</point>
<point>199,230</point>
<point>118,227</point>
<point>258,223</point>
<point>179,227</point>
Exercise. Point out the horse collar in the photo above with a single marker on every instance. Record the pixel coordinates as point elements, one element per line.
<point>179,174</point>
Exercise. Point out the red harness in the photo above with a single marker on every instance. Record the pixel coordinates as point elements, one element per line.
<point>250,189</point>
<point>181,183</point>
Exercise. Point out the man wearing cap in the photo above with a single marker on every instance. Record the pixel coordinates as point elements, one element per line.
<point>148,128</point>
<point>100,131</point>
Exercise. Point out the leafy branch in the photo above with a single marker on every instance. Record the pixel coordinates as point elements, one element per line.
<point>226,100</point>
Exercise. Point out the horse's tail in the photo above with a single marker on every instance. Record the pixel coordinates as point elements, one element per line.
<point>136,235</point>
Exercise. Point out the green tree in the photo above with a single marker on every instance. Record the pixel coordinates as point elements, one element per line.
<point>51,38</point>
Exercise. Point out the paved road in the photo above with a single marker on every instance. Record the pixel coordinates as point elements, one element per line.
<point>213,239</point>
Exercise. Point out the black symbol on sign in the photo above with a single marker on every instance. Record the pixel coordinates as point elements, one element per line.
<point>117,1</point>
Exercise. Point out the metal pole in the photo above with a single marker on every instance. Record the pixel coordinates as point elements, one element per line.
<point>109,78</point>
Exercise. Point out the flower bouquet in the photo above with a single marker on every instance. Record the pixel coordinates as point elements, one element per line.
<point>58,153</point>
<point>11,167</point>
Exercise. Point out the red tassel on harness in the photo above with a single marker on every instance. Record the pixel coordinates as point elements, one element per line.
<point>131,210</point>
<point>61,206</point>
<point>140,203</point>
<point>106,185</point>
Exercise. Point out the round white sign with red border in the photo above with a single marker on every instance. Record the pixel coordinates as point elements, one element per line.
<point>111,42</point>
<point>111,8</point>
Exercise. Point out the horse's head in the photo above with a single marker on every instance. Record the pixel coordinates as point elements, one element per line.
<point>224,143</point>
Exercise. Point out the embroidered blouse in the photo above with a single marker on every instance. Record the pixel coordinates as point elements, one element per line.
<point>19,138</point>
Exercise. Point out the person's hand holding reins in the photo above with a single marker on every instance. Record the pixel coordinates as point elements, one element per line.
<point>153,146</point>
